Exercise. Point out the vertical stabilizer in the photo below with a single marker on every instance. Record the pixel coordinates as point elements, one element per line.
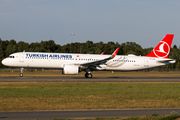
<point>163,48</point>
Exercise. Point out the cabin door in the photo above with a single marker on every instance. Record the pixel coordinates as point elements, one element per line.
<point>146,62</point>
<point>21,57</point>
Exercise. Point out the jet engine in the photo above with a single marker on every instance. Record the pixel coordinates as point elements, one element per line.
<point>71,70</point>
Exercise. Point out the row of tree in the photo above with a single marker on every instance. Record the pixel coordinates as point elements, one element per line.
<point>8,47</point>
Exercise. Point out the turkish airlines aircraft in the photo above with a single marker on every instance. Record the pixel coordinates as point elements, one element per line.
<point>74,63</point>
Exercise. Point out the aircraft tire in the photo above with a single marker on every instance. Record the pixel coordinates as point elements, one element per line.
<point>88,75</point>
<point>21,75</point>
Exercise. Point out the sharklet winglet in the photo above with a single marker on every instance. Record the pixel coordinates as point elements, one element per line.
<point>115,52</point>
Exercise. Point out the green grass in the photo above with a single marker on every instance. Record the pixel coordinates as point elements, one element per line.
<point>88,95</point>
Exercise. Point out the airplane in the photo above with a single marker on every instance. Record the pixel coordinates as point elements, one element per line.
<point>72,64</point>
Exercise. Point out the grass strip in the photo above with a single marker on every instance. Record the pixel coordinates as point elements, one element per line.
<point>18,96</point>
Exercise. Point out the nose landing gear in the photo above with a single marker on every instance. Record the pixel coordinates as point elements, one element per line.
<point>21,74</point>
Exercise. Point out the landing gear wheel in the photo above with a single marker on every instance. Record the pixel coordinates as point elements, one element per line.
<point>21,75</point>
<point>85,75</point>
<point>88,75</point>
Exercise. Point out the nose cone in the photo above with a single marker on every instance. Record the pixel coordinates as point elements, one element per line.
<point>4,62</point>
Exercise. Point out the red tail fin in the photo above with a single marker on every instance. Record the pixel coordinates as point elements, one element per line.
<point>163,48</point>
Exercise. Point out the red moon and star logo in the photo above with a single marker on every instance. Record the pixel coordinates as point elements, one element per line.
<point>162,49</point>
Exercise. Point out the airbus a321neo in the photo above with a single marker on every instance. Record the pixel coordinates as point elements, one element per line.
<point>72,64</point>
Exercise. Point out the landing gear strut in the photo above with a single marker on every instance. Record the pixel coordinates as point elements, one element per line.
<point>88,75</point>
<point>21,74</point>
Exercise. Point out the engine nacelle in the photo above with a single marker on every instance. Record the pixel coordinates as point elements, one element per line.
<point>70,70</point>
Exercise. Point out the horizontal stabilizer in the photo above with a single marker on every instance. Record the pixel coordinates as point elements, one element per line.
<point>166,60</point>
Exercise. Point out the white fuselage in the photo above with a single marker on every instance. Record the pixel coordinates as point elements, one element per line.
<point>58,60</point>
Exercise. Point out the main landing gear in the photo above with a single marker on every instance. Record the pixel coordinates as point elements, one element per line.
<point>88,75</point>
<point>21,74</point>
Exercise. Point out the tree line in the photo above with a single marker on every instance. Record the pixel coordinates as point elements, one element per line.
<point>8,47</point>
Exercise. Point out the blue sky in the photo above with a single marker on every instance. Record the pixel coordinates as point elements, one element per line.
<point>145,22</point>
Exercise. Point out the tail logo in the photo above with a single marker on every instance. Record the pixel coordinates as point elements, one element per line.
<point>162,49</point>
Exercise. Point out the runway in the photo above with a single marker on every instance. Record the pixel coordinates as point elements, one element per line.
<point>95,79</point>
<point>85,113</point>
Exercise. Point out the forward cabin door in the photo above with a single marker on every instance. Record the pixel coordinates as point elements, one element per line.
<point>146,62</point>
<point>21,57</point>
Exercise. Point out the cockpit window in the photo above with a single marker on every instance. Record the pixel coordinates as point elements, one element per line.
<point>11,57</point>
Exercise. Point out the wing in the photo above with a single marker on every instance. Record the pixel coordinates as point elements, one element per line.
<point>98,62</point>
